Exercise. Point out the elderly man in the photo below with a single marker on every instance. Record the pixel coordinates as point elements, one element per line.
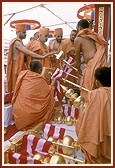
<point>16,57</point>
<point>39,46</point>
<point>33,99</point>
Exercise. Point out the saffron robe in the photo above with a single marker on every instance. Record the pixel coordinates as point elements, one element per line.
<point>93,128</point>
<point>57,47</point>
<point>40,48</point>
<point>98,60</point>
<point>33,100</point>
<point>14,66</point>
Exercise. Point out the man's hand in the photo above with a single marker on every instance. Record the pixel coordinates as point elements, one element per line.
<point>49,54</point>
<point>54,80</point>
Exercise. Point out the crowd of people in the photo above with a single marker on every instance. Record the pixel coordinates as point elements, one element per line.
<point>33,98</point>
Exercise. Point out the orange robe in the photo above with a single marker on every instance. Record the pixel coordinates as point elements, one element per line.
<point>94,127</point>
<point>66,47</point>
<point>62,46</point>
<point>33,100</point>
<point>14,67</point>
<point>98,60</point>
<point>71,53</point>
<point>38,47</point>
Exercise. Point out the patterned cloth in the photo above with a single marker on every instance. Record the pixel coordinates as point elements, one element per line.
<point>16,158</point>
<point>63,74</point>
<point>53,131</point>
<point>69,111</point>
<point>32,145</point>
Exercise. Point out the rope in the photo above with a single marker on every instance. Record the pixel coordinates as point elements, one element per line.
<point>18,12</point>
<point>9,19</point>
<point>22,10</point>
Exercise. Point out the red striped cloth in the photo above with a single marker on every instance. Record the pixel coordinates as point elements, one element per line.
<point>32,145</point>
<point>69,111</point>
<point>53,131</point>
<point>58,73</point>
<point>67,68</point>
<point>17,158</point>
<point>62,74</point>
<point>58,88</point>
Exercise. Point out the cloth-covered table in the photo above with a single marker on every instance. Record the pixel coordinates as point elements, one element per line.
<point>8,115</point>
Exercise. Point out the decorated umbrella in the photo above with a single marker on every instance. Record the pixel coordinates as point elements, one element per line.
<point>30,24</point>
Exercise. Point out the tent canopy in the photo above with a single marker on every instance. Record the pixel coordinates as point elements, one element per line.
<point>49,14</point>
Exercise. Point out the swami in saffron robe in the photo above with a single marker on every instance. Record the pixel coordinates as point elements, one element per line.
<point>33,100</point>
<point>98,60</point>
<point>14,66</point>
<point>93,128</point>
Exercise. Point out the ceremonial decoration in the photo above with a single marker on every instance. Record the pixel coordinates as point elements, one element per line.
<point>69,111</point>
<point>34,150</point>
<point>54,131</point>
<point>88,12</point>
<point>30,24</point>
<point>51,34</point>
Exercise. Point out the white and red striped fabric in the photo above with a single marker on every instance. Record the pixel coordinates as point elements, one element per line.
<point>61,74</point>
<point>16,158</point>
<point>54,131</point>
<point>58,73</point>
<point>67,68</point>
<point>32,145</point>
<point>69,111</point>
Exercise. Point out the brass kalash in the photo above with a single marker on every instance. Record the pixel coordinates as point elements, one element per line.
<point>68,145</point>
<point>77,100</point>
<point>72,99</point>
<point>71,96</point>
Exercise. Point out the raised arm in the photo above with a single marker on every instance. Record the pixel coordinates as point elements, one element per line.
<point>51,53</point>
<point>20,47</point>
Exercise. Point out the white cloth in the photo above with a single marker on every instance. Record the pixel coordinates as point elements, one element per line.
<point>69,130</point>
<point>8,116</point>
<point>54,131</point>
